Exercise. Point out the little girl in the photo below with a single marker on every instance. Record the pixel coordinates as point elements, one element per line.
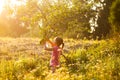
<point>56,49</point>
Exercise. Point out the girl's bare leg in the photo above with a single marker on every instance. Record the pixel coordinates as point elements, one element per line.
<point>53,69</point>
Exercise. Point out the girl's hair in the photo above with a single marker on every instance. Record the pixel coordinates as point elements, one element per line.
<point>59,41</point>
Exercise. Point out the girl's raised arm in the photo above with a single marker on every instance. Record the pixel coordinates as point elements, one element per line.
<point>53,44</point>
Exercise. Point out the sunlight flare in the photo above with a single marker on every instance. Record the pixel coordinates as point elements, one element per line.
<point>1,5</point>
<point>17,2</point>
<point>12,3</point>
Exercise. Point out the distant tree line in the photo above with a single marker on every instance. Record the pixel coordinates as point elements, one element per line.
<point>79,19</point>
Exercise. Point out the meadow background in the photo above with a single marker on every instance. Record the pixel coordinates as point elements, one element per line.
<point>90,30</point>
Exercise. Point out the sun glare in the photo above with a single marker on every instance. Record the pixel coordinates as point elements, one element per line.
<point>12,3</point>
<point>16,2</point>
<point>1,5</point>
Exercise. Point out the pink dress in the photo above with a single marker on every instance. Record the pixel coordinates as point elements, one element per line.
<point>55,56</point>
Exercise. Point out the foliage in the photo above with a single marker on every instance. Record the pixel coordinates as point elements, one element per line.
<point>114,15</point>
<point>40,18</point>
<point>51,17</point>
<point>66,19</point>
<point>10,25</point>
<point>100,60</point>
<point>101,23</point>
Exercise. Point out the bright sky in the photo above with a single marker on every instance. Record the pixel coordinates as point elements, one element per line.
<point>11,2</point>
<point>1,5</point>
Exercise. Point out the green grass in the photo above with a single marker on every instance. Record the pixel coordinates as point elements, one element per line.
<point>24,59</point>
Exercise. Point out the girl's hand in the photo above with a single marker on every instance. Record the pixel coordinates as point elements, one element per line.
<point>46,48</point>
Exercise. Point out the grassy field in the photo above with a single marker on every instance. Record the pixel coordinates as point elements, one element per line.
<point>25,59</point>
